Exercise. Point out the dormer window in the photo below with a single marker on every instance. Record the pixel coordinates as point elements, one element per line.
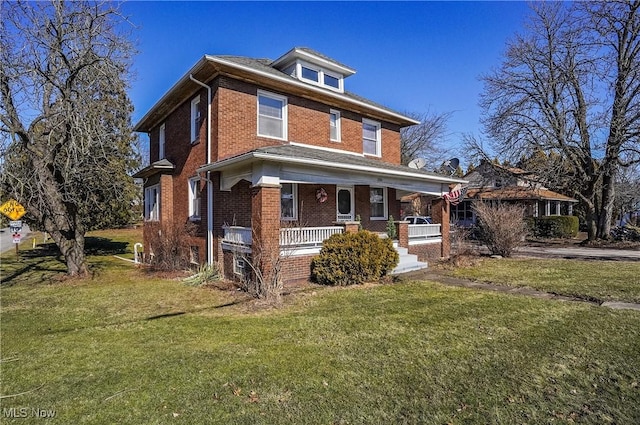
<point>319,76</point>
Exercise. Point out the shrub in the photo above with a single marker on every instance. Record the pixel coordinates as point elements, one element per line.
<point>502,227</point>
<point>353,258</point>
<point>170,248</point>
<point>557,226</point>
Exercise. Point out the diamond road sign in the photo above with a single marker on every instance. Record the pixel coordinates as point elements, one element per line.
<point>12,209</point>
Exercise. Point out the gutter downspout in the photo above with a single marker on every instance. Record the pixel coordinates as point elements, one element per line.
<point>209,182</point>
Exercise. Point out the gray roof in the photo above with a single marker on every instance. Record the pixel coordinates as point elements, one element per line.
<point>323,156</point>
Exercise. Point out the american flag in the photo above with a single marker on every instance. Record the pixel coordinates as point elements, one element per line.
<point>456,195</point>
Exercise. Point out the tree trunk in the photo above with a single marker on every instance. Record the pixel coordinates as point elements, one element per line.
<point>71,245</point>
<point>608,199</point>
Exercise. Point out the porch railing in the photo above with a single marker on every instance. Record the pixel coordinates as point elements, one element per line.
<point>237,235</point>
<point>289,236</point>
<point>424,231</point>
<point>307,236</point>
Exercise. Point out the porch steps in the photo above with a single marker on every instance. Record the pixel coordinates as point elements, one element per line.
<point>408,262</point>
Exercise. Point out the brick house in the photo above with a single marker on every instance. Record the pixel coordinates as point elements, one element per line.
<point>257,152</point>
<point>492,182</point>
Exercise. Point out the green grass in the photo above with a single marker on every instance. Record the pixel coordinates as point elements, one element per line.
<point>128,348</point>
<point>598,280</point>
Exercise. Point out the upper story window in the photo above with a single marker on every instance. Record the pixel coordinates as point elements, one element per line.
<point>334,125</point>
<point>152,203</point>
<point>272,115</point>
<point>161,138</point>
<point>320,76</point>
<point>195,119</point>
<point>371,139</point>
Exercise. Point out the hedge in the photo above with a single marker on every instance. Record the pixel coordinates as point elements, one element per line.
<point>555,226</point>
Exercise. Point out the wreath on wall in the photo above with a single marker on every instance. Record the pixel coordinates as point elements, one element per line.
<point>321,195</point>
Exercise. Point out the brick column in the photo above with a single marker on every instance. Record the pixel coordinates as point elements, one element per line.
<point>440,215</point>
<point>349,226</point>
<point>166,200</point>
<point>402,229</point>
<point>265,224</point>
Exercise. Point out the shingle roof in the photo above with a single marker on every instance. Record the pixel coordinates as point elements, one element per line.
<point>517,193</point>
<point>325,156</point>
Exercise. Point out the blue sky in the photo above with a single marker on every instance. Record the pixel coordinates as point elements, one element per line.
<point>409,56</point>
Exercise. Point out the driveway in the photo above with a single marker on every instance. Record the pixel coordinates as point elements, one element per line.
<point>579,252</point>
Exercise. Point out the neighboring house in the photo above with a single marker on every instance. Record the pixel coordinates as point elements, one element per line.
<point>258,152</point>
<point>491,182</point>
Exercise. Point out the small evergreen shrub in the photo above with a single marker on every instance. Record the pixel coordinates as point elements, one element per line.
<point>354,258</point>
<point>557,226</point>
<point>391,228</point>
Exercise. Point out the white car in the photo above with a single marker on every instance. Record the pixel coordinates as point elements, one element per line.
<point>418,219</point>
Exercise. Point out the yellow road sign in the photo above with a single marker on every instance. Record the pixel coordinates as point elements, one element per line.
<point>12,209</point>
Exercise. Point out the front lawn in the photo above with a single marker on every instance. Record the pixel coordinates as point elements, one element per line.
<point>128,348</point>
<point>597,280</point>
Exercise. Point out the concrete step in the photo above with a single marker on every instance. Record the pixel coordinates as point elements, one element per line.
<point>408,262</point>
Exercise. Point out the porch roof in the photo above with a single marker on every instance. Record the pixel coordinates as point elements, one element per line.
<point>303,164</point>
<point>164,165</point>
<point>514,193</point>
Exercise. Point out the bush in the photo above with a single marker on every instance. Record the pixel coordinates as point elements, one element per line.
<point>557,226</point>
<point>354,258</point>
<point>502,227</point>
<point>169,248</point>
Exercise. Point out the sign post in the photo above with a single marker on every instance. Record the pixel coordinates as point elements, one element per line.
<point>14,211</point>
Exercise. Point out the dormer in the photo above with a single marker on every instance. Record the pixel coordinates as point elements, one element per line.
<point>312,67</point>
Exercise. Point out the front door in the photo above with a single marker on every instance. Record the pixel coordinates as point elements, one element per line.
<point>344,203</point>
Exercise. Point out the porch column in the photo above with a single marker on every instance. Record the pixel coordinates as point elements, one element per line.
<point>403,233</point>
<point>440,215</point>
<point>547,208</point>
<point>570,208</point>
<point>349,226</point>
<point>536,209</point>
<point>557,207</point>
<point>265,223</point>
<point>166,200</point>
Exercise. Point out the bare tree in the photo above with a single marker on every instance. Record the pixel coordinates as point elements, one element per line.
<point>65,117</point>
<point>425,140</point>
<point>571,78</point>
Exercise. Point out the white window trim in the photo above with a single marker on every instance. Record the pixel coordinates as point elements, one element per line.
<point>195,119</point>
<point>321,73</point>
<point>378,126</point>
<point>161,141</point>
<point>285,120</point>
<point>385,204</point>
<point>294,189</point>
<point>194,192</point>
<point>152,207</point>
<point>338,125</point>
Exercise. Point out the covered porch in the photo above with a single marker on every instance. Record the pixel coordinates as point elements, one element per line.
<point>296,197</point>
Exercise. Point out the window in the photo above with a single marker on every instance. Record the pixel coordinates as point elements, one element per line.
<point>195,119</point>
<point>378,202</point>
<point>152,203</point>
<point>319,76</point>
<point>272,115</point>
<point>331,81</point>
<point>371,137</point>
<point>334,124</point>
<point>310,74</point>
<point>161,137</point>
<point>288,201</point>
<point>194,198</point>
<point>239,265</point>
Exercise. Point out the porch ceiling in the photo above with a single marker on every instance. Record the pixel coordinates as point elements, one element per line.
<point>303,164</point>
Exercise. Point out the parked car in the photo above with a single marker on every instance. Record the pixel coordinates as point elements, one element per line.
<point>418,219</point>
